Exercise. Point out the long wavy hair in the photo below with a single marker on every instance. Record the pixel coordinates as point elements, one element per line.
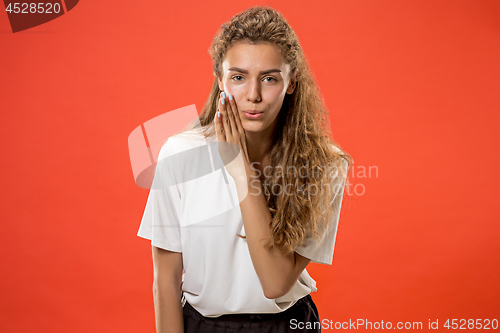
<point>301,137</point>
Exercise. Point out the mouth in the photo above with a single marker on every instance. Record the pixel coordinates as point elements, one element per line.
<point>252,114</point>
<point>252,111</point>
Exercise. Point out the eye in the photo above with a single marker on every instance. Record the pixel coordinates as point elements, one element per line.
<point>236,76</point>
<point>272,79</point>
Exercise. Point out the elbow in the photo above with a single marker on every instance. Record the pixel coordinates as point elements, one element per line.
<point>277,287</point>
<point>271,294</point>
<point>276,292</point>
<point>156,289</point>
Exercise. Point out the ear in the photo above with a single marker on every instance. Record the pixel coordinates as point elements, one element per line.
<point>221,85</point>
<point>293,82</point>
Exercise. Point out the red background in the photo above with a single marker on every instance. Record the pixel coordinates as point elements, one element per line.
<point>412,87</point>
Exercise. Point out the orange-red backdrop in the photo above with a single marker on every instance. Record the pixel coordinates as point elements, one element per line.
<point>412,87</point>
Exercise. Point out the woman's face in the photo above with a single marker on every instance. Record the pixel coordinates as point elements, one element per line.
<point>258,78</point>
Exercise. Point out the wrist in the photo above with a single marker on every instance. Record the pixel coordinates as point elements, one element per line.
<point>248,183</point>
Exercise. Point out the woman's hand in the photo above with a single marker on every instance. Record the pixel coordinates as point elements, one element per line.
<point>232,143</point>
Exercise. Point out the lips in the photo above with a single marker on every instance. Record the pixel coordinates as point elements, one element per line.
<point>252,111</point>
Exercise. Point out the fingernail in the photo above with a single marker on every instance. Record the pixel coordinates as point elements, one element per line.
<point>218,114</point>
<point>223,95</point>
<point>222,101</point>
<point>230,97</point>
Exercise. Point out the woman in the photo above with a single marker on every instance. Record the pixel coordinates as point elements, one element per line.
<point>244,264</point>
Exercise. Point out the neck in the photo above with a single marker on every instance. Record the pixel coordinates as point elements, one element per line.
<point>259,143</point>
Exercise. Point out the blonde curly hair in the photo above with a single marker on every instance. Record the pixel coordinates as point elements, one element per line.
<point>302,134</point>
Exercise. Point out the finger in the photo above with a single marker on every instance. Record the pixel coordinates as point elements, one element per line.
<point>225,118</point>
<point>232,117</point>
<point>218,127</point>
<point>239,127</point>
<point>237,116</point>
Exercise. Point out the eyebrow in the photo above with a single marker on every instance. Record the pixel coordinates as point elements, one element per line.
<point>236,69</point>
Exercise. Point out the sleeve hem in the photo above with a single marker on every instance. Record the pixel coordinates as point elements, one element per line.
<point>162,245</point>
<point>325,261</point>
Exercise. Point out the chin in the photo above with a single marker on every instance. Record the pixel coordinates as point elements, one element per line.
<point>252,127</point>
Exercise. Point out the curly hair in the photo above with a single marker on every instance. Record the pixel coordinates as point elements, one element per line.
<point>302,134</point>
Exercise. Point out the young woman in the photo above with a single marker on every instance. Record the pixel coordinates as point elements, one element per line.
<point>244,263</point>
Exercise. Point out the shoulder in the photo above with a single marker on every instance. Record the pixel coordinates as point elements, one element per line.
<point>341,153</point>
<point>183,141</point>
<point>338,168</point>
<point>338,150</point>
<point>335,148</point>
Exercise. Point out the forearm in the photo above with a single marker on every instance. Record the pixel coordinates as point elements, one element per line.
<point>272,267</point>
<point>168,308</point>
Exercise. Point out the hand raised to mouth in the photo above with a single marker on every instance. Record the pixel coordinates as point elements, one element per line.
<point>231,138</point>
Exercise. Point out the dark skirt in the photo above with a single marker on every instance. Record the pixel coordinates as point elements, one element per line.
<point>301,317</point>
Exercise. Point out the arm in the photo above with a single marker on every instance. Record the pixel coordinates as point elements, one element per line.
<point>277,273</point>
<point>167,291</point>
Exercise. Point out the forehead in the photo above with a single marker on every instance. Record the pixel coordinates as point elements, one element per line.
<point>254,57</point>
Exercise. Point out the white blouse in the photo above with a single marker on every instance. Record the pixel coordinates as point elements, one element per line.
<point>193,208</point>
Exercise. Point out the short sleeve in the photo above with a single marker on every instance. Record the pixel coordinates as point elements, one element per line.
<point>160,222</point>
<point>323,253</point>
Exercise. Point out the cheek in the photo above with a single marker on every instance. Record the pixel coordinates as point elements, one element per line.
<point>275,96</point>
<point>236,91</point>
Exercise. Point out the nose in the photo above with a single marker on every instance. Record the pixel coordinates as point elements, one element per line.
<point>253,93</point>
